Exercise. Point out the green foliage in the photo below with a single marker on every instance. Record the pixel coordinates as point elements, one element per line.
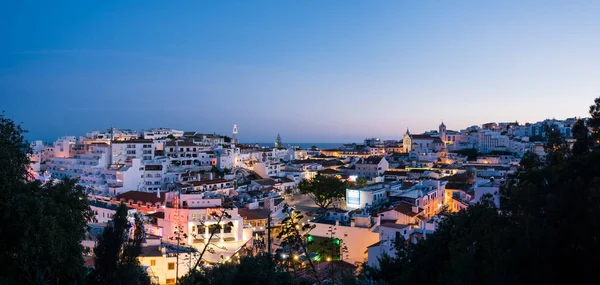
<point>252,270</point>
<point>536,138</point>
<point>470,153</point>
<point>361,182</point>
<point>582,139</point>
<point>41,226</point>
<point>295,237</point>
<point>594,121</point>
<point>324,247</point>
<point>323,190</point>
<point>545,230</point>
<point>115,254</point>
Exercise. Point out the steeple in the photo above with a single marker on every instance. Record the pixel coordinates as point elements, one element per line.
<point>235,133</point>
<point>442,132</point>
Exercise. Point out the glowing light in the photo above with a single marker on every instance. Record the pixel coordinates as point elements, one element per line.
<point>328,259</point>
<point>296,257</point>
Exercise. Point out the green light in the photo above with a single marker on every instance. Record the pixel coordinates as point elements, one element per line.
<point>336,241</point>
<point>310,238</point>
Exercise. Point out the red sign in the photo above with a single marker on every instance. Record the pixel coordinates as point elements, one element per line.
<point>211,211</point>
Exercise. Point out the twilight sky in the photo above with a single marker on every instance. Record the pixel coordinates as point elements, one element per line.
<point>314,71</point>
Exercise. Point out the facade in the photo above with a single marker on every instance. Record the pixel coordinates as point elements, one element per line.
<point>368,195</point>
<point>190,154</point>
<point>161,133</point>
<point>266,169</point>
<point>142,149</point>
<point>371,167</point>
<point>193,214</point>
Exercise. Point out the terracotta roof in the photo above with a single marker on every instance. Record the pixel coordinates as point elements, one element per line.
<point>395,172</point>
<point>152,250</point>
<point>207,182</point>
<point>144,197</point>
<point>265,182</point>
<point>458,186</point>
<point>286,180</point>
<point>406,209</point>
<point>370,160</point>
<point>270,188</point>
<point>421,137</point>
<point>393,225</point>
<point>256,214</point>
<point>329,171</point>
<point>376,244</point>
<point>158,215</point>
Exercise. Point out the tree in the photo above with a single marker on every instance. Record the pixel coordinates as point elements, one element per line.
<point>116,253</point>
<point>295,237</point>
<point>361,182</point>
<point>582,139</point>
<point>545,229</point>
<point>41,226</point>
<point>595,118</point>
<point>323,190</point>
<point>258,269</point>
<point>278,142</point>
<point>209,247</point>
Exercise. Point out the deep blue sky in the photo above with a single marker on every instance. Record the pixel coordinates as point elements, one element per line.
<point>314,71</point>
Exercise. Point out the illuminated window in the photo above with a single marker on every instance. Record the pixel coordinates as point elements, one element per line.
<point>152,262</point>
<point>171,281</point>
<point>171,266</point>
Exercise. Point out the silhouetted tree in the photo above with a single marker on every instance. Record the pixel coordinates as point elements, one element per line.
<point>582,139</point>
<point>544,231</point>
<point>41,226</point>
<point>259,269</point>
<point>116,253</point>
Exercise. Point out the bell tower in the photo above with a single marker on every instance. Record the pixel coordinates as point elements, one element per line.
<point>234,138</point>
<point>443,133</point>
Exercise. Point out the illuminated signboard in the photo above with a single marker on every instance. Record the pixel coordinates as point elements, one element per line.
<point>353,197</point>
<point>216,211</point>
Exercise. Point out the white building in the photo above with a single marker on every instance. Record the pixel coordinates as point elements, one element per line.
<point>161,133</point>
<point>371,167</point>
<point>136,148</point>
<point>267,169</point>
<point>194,214</point>
<point>368,195</point>
<point>95,157</point>
<point>190,154</point>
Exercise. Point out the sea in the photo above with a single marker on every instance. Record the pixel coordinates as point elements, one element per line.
<point>305,145</point>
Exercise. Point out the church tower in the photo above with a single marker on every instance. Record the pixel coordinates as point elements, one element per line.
<point>234,138</point>
<point>443,133</point>
<point>406,142</point>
